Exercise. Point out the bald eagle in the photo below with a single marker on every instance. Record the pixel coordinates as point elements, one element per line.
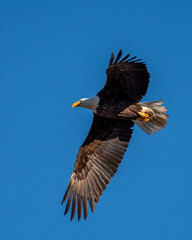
<point>115,110</point>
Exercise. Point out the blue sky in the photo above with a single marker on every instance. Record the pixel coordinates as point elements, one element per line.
<point>55,52</point>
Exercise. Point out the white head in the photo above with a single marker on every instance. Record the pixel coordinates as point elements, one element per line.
<point>90,103</point>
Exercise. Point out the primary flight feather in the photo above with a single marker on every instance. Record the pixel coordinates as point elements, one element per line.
<point>115,110</point>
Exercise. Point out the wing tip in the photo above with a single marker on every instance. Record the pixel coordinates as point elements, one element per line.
<point>125,59</point>
<point>118,56</point>
<point>111,59</point>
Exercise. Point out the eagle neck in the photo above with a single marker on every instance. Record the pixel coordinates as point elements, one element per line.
<point>91,103</point>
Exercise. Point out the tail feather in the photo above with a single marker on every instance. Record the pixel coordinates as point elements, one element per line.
<point>158,117</point>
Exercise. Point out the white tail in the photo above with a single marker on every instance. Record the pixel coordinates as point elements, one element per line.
<point>157,117</point>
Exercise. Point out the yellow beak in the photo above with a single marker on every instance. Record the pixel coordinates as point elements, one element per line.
<point>75,104</point>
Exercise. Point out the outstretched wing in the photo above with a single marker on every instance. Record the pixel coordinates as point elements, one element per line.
<point>97,161</point>
<point>127,78</point>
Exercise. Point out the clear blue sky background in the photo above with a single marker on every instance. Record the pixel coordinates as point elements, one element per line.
<point>55,52</point>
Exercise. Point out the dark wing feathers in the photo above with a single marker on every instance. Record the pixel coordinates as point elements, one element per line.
<point>126,79</point>
<point>123,59</point>
<point>118,57</point>
<point>79,208</point>
<point>97,161</point>
<point>111,59</point>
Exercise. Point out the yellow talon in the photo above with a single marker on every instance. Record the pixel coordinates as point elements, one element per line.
<point>143,117</point>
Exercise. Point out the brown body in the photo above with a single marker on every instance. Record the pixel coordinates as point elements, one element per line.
<point>118,109</point>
